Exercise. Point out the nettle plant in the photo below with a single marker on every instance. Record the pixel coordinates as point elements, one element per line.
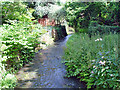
<point>105,73</point>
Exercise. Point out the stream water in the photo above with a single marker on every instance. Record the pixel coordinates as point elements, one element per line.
<point>47,70</point>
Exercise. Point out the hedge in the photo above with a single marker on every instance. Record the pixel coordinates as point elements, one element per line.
<point>95,28</point>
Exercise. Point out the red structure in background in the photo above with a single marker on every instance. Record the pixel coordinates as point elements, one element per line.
<point>46,22</point>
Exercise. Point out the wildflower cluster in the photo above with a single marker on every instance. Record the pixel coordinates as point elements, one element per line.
<point>99,39</point>
<point>104,69</point>
<point>93,60</point>
<point>102,63</point>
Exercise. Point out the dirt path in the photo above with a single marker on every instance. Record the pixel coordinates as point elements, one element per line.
<point>47,71</point>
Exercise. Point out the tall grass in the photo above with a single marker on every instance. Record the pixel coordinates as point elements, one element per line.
<point>93,60</point>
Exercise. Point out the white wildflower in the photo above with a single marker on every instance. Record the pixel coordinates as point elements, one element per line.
<point>93,60</point>
<point>102,70</point>
<point>111,75</point>
<point>102,56</point>
<point>94,66</point>
<point>102,63</point>
<point>106,67</point>
<point>100,39</point>
<point>95,40</point>
<point>102,74</point>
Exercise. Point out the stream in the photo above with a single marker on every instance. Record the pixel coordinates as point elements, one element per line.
<point>47,70</point>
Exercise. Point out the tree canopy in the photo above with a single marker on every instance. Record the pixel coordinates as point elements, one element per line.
<point>16,11</point>
<point>79,14</point>
<point>54,10</point>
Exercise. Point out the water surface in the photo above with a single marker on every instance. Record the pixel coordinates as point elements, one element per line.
<point>47,70</point>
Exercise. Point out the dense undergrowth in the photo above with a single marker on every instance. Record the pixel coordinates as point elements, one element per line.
<point>18,43</point>
<point>93,60</point>
<point>96,28</point>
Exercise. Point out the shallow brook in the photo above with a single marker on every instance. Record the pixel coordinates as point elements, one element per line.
<point>47,70</point>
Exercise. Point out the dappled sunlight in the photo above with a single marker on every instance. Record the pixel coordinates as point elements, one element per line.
<point>46,39</point>
<point>59,44</point>
<point>25,75</point>
<point>47,69</point>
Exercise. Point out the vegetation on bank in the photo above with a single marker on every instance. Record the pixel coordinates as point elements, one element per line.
<point>93,60</point>
<point>21,35</point>
<point>19,41</point>
<point>92,53</point>
<point>91,57</point>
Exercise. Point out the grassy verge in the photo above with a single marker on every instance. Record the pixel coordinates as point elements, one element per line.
<point>94,60</point>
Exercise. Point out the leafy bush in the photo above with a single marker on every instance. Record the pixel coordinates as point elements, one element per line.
<point>7,80</point>
<point>16,11</point>
<point>94,23</point>
<point>95,28</point>
<point>19,41</point>
<point>83,30</point>
<point>94,60</point>
<point>105,70</point>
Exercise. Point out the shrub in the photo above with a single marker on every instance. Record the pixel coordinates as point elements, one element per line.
<point>83,30</point>
<point>95,28</point>
<point>94,23</point>
<point>94,60</point>
<point>19,41</point>
<point>105,70</point>
<point>8,81</point>
<point>17,47</point>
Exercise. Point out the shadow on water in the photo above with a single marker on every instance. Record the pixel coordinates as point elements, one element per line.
<point>47,71</point>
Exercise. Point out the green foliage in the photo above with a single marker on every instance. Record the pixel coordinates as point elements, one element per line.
<point>110,14</point>
<point>95,28</point>
<point>75,14</point>
<point>8,81</point>
<point>60,32</point>
<point>94,60</point>
<point>94,23</point>
<point>80,14</point>
<point>105,70</point>
<point>16,11</point>
<point>54,10</point>
<point>83,30</point>
<point>19,41</point>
